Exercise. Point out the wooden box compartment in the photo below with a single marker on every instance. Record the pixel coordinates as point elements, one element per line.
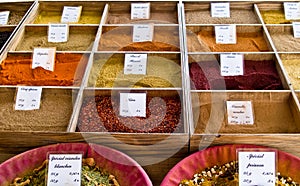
<point>160,13</point>
<point>162,71</point>
<point>240,13</point>
<point>99,111</point>
<point>249,38</point>
<point>270,111</point>
<point>261,72</point>
<point>6,33</point>
<point>17,10</point>
<point>291,66</point>
<point>81,38</point>
<point>120,38</point>
<point>69,69</point>
<point>283,38</point>
<point>54,114</point>
<point>45,12</point>
<point>273,13</point>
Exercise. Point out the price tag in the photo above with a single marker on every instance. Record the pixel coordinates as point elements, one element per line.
<point>225,34</point>
<point>232,64</point>
<point>133,104</point>
<point>257,168</point>
<point>135,64</point>
<point>220,9</point>
<point>71,14</point>
<point>140,10</point>
<point>142,33</point>
<point>4,17</point>
<point>296,29</point>
<point>58,33</point>
<point>240,112</point>
<point>28,98</point>
<point>44,57</point>
<point>291,10</point>
<point>64,169</point>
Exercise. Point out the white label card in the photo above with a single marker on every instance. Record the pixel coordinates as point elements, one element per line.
<point>135,64</point>
<point>140,10</point>
<point>64,169</point>
<point>142,32</point>
<point>291,10</point>
<point>232,64</point>
<point>220,9</point>
<point>296,29</point>
<point>58,33</point>
<point>225,34</point>
<point>133,104</point>
<point>240,112</point>
<point>257,168</point>
<point>28,98</point>
<point>44,57</point>
<point>71,14</point>
<point>4,17</point>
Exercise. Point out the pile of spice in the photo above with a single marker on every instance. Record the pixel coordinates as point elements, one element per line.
<point>274,17</point>
<point>91,174</point>
<point>293,69</point>
<point>227,174</point>
<point>68,71</point>
<point>101,114</point>
<point>258,75</point>
<point>78,40</point>
<point>120,39</point>
<point>285,41</point>
<point>54,113</point>
<point>161,72</point>
<point>86,17</point>
<point>165,17</point>
<point>246,42</point>
<point>15,17</point>
<point>237,16</point>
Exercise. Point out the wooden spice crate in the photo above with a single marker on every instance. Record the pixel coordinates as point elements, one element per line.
<point>283,38</point>
<point>166,68</point>
<point>18,12</point>
<point>255,57</point>
<point>201,38</point>
<point>158,153</point>
<point>91,12</point>
<point>51,116</point>
<point>161,12</point>
<point>291,67</point>
<point>276,121</point>
<point>99,119</point>
<point>120,38</point>
<point>196,12</point>
<point>81,39</point>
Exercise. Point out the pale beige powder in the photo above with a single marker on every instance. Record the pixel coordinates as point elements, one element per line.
<point>54,113</point>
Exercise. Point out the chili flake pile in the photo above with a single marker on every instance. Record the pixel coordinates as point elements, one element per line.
<point>91,175</point>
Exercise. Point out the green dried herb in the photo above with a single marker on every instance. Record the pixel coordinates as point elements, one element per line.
<point>91,175</point>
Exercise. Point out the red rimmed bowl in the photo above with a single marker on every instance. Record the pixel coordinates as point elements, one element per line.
<point>288,164</point>
<point>126,170</point>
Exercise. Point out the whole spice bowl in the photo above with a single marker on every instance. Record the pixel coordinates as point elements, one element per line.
<point>223,158</point>
<point>123,169</point>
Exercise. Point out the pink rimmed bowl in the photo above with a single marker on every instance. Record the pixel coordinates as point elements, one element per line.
<point>287,165</point>
<point>126,170</point>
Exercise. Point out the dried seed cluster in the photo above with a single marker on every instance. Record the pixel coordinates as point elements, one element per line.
<point>227,175</point>
<point>101,114</point>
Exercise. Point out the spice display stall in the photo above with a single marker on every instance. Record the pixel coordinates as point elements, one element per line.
<point>178,94</point>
